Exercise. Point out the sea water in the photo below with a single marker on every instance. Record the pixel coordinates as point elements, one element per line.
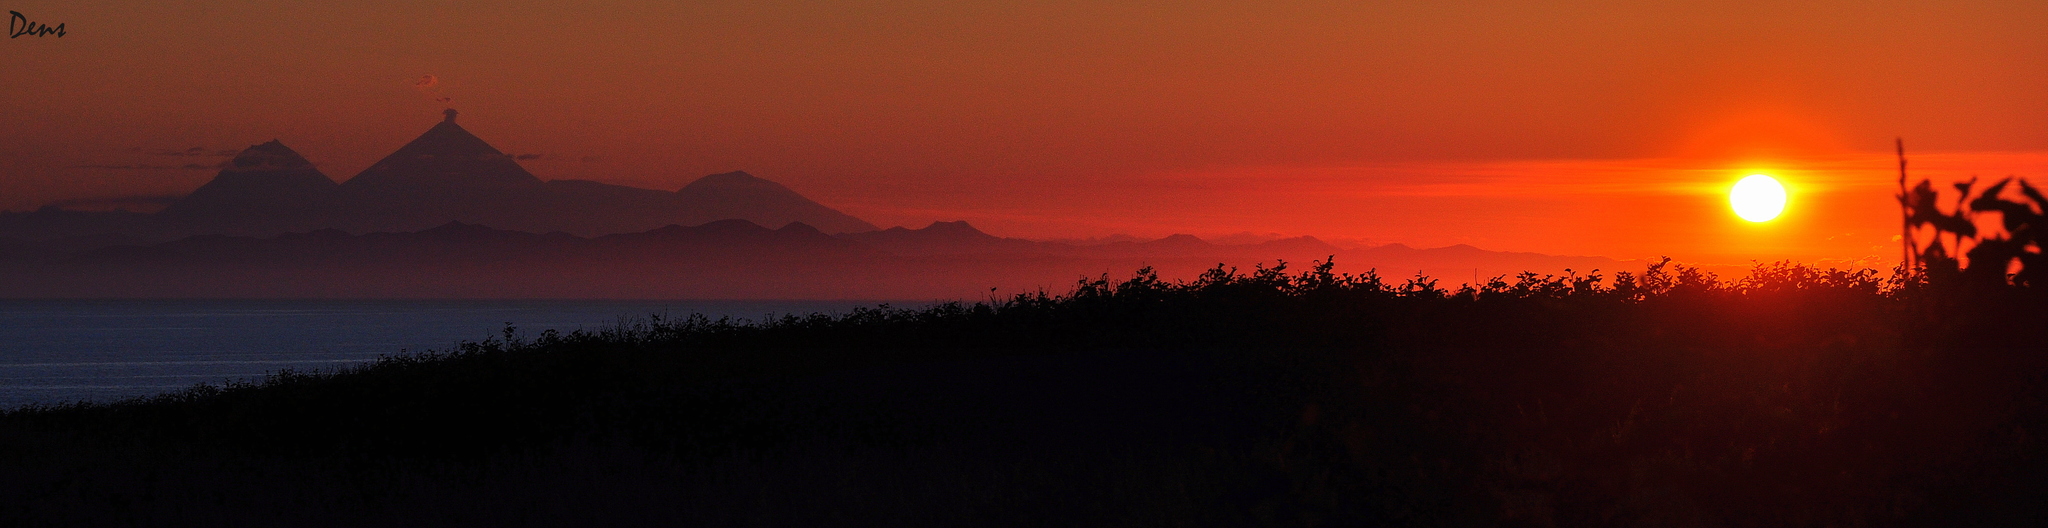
<point>58,351</point>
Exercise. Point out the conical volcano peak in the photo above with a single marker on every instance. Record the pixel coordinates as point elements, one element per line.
<point>737,194</point>
<point>955,228</point>
<point>446,155</point>
<point>448,139</point>
<point>269,156</point>
<point>733,180</point>
<point>262,185</point>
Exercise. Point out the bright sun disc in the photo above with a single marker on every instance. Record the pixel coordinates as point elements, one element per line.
<point>1757,198</point>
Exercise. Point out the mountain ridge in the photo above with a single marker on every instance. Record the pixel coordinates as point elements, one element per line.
<point>444,174</point>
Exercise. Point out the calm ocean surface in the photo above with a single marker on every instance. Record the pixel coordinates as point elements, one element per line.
<point>100,350</point>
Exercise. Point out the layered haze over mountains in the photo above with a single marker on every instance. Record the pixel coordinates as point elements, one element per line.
<point>449,216</point>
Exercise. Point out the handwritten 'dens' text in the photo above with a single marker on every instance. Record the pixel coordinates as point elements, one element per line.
<point>18,25</point>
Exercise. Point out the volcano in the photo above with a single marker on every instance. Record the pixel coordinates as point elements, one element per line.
<point>445,157</point>
<point>445,175</point>
<point>740,195</point>
<point>264,188</point>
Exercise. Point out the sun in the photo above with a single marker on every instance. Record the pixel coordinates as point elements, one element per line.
<point>1757,198</point>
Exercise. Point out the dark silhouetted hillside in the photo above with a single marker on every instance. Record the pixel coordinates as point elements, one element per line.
<point>1796,396</point>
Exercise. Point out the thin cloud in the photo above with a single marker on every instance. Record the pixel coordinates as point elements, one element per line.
<point>146,166</point>
<point>194,151</point>
<point>431,87</point>
<point>1554,178</point>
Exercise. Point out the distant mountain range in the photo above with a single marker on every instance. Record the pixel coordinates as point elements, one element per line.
<point>444,175</point>
<point>450,216</point>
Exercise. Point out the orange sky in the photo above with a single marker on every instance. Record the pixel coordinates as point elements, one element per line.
<point>1603,128</point>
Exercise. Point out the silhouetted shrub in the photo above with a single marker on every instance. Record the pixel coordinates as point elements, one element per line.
<point>1993,257</point>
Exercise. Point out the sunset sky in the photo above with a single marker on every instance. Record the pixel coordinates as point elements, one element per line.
<point>1588,128</point>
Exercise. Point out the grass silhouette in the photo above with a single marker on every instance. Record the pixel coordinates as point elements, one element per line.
<point>1795,396</point>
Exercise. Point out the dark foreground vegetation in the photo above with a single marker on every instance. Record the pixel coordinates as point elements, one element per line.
<point>1794,397</point>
